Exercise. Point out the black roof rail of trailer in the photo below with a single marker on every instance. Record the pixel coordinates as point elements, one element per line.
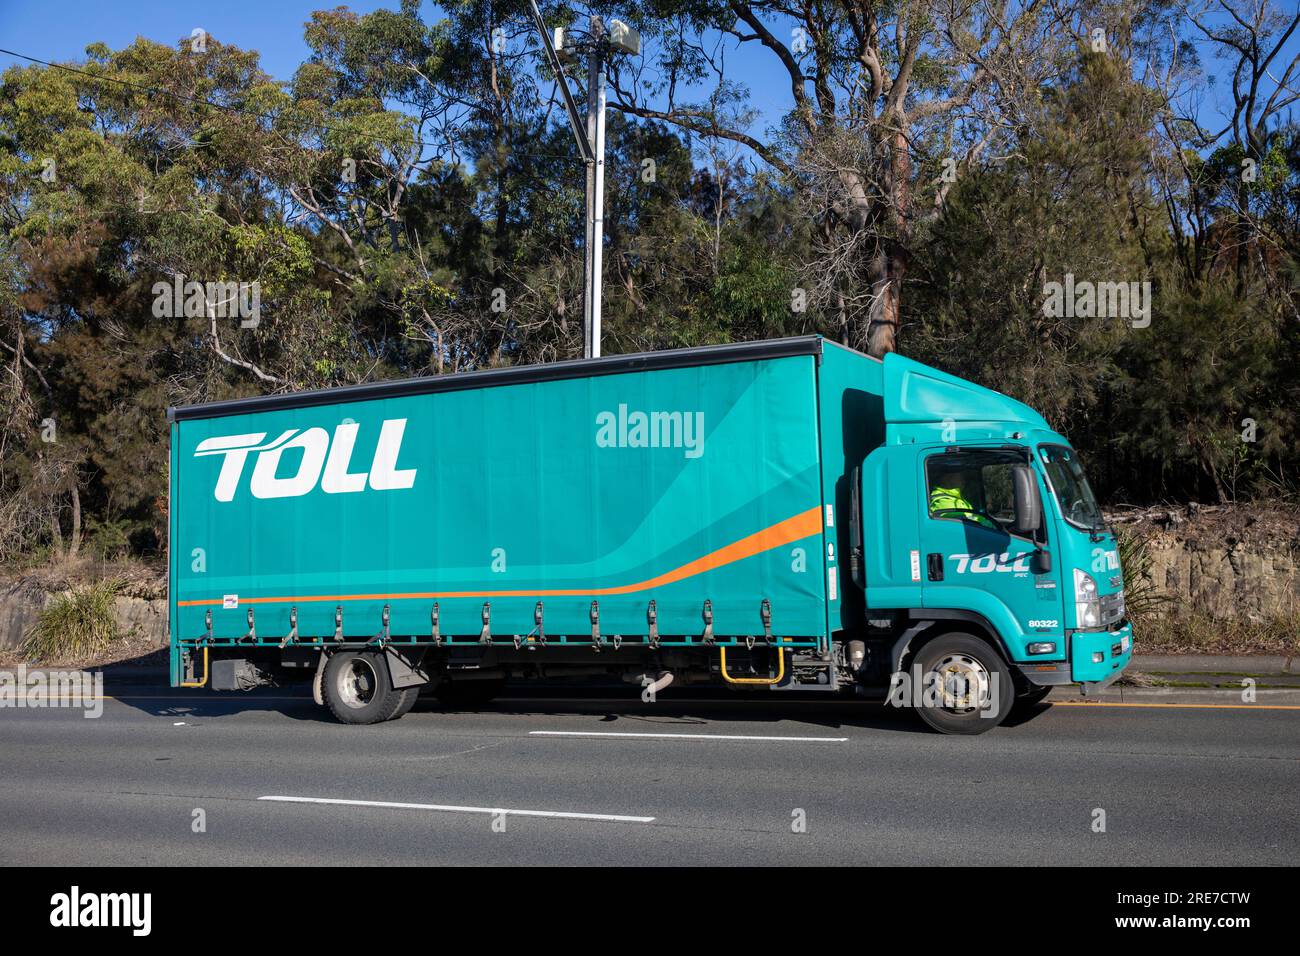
<point>512,375</point>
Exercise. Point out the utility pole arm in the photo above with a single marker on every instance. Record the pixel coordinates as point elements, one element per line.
<point>575,120</point>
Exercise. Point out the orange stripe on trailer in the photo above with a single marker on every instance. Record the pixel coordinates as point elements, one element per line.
<point>795,528</point>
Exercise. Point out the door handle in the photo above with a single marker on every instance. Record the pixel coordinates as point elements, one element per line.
<point>934,565</point>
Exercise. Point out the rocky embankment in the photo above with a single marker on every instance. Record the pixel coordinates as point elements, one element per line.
<point>140,607</point>
<point>1227,562</point>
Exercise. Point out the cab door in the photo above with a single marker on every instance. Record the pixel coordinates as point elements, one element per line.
<point>974,557</point>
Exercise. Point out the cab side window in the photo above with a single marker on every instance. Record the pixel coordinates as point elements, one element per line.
<point>999,500</point>
<point>974,487</point>
<point>953,485</point>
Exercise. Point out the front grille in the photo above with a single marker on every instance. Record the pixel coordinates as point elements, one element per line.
<point>1112,608</point>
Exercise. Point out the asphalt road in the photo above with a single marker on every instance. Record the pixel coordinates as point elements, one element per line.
<point>1178,786</point>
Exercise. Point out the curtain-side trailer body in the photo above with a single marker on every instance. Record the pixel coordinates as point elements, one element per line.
<point>688,515</point>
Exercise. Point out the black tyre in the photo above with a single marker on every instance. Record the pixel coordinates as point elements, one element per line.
<point>407,700</point>
<point>1035,695</point>
<point>357,689</point>
<point>971,689</point>
<point>468,693</point>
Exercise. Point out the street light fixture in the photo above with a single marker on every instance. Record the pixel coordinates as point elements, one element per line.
<point>560,46</point>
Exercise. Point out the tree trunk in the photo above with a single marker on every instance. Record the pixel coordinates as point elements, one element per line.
<point>885,273</point>
<point>890,264</point>
<point>74,545</point>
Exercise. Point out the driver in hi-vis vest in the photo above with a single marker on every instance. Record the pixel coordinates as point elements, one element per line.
<point>947,500</point>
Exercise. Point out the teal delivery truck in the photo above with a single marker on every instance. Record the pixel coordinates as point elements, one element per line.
<point>777,516</point>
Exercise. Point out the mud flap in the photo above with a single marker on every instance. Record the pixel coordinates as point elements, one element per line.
<point>405,671</point>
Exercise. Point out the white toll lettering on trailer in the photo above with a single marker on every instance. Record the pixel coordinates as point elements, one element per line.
<point>314,443</point>
<point>337,479</point>
<point>384,473</point>
<point>325,460</point>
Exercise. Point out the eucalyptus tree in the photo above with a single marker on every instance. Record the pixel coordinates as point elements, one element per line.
<point>885,104</point>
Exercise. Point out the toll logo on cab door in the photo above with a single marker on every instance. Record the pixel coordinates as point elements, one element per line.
<point>1004,563</point>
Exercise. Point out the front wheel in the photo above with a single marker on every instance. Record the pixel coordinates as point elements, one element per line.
<point>967,689</point>
<point>357,689</point>
<point>1035,695</point>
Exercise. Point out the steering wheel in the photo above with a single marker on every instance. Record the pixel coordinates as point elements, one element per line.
<point>965,514</point>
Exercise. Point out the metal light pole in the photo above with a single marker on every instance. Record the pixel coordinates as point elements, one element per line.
<point>591,147</point>
<point>592,267</point>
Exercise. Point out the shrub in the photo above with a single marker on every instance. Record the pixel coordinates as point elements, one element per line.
<point>76,624</point>
<point>1142,597</point>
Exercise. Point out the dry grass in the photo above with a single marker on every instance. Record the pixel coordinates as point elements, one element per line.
<point>76,625</point>
<point>1194,632</point>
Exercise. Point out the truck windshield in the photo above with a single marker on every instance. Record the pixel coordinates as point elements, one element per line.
<point>1075,497</point>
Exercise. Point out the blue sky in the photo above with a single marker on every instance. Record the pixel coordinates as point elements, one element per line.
<point>59,30</point>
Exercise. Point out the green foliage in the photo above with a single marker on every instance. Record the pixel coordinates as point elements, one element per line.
<point>750,297</point>
<point>408,177</point>
<point>74,626</point>
<point>109,539</point>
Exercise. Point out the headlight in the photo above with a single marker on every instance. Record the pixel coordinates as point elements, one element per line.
<point>1085,588</point>
<point>1087,606</point>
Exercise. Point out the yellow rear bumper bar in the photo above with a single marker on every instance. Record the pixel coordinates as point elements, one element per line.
<point>199,683</point>
<point>780,670</point>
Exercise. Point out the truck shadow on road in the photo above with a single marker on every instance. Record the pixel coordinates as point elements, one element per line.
<point>690,712</point>
<point>722,714</point>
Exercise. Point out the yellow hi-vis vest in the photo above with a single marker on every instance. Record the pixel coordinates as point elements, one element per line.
<point>948,499</point>
<point>951,500</point>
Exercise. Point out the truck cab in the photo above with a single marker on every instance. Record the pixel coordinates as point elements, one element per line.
<point>982,553</point>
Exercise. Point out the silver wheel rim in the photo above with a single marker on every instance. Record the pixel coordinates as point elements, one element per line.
<point>962,683</point>
<point>357,683</point>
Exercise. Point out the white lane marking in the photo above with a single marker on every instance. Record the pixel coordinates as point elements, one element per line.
<point>602,733</point>
<point>446,808</point>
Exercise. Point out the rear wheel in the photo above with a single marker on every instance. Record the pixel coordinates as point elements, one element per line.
<point>408,698</point>
<point>357,689</point>
<point>968,687</point>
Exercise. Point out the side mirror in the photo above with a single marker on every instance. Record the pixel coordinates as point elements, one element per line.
<point>1028,504</point>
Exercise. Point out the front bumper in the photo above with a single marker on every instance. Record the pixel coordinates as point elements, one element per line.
<point>1097,658</point>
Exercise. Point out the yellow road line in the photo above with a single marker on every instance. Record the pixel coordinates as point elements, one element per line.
<point>1111,703</point>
